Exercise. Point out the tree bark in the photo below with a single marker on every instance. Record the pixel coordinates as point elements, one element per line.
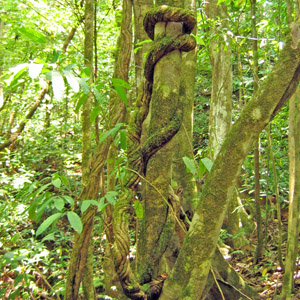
<point>189,275</point>
<point>294,195</point>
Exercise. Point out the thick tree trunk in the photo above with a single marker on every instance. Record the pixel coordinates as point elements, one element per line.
<point>189,275</point>
<point>183,141</point>
<point>157,229</point>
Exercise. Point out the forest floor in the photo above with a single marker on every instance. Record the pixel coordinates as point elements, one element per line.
<point>266,276</point>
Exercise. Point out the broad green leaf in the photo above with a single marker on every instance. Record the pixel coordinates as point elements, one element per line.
<point>47,223</point>
<point>123,134</point>
<point>85,87</point>
<point>56,182</point>
<point>111,197</point>
<point>33,35</point>
<point>49,237</point>
<point>102,204</point>
<point>190,165</point>
<point>121,93</point>
<point>120,85</point>
<point>58,85</point>
<point>64,180</point>
<point>97,95</point>
<point>75,221</point>
<point>18,72</point>
<point>69,67</point>
<point>34,70</point>
<point>80,102</point>
<point>207,163</point>
<point>69,199</point>
<point>87,203</point>
<point>72,80</point>
<point>94,113</point>
<point>59,203</point>
<point>138,208</point>
<point>120,82</point>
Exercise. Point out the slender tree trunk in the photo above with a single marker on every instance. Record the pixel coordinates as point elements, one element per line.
<point>91,190</point>
<point>189,275</point>
<point>87,282</point>
<point>294,195</point>
<point>260,242</point>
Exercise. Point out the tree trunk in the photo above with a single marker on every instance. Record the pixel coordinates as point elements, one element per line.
<point>189,275</point>
<point>157,228</point>
<point>294,195</point>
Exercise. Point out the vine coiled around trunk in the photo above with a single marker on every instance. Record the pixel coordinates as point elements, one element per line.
<point>138,155</point>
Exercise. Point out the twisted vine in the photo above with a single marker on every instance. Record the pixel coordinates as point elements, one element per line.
<point>138,155</point>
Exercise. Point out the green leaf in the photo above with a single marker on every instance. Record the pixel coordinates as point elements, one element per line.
<point>34,70</point>
<point>75,221</point>
<point>87,203</point>
<point>85,87</point>
<point>80,102</point>
<point>138,208</point>
<point>56,182</point>
<point>190,165</point>
<point>97,95</point>
<point>47,223</point>
<point>69,199</point>
<point>59,203</point>
<point>123,143</point>
<point>120,85</point>
<point>18,279</point>
<point>120,82</point>
<point>94,113</point>
<point>102,204</point>
<point>207,163</point>
<point>121,93</point>
<point>58,85</point>
<point>72,80</point>
<point>112,132</point>
<point>111,197</point>
<point>33,35</point>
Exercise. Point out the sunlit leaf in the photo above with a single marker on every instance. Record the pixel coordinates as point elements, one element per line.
<point>58,85</point>
<point>33,35</point>
<point>34,70</point>
<point>80,102</point>
<point>85,87</point>
<point>72,81</point>
<point>75,221</point>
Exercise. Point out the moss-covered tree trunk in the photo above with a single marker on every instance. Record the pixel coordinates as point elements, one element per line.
<point>294,195</point>
<point>183,141</point>
<point>189,275</point>
<point>158,226</point>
